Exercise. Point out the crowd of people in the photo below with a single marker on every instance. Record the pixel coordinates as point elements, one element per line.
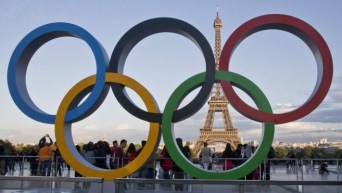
<point>46,160</point>
<point>231,158</point>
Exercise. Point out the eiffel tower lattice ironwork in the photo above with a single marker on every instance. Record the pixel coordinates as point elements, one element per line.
<point>217,103</point>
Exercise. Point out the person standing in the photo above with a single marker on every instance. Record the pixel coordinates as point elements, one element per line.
<point>178,172</point>
<point>58,161</point>
<point>131,152</point>
<point>267,164</point>
<point>45,156</point>
<point>108,153</point>
<point>113,150</point>
<point>205,156</point>
<point>226,156</point>
<point>89,153</point>
<point>166,163</point>
<point>34,160</point>
<point>78,148</point>
<point>100,155</point>
<point>143,170</point>
<point>3,168</point>
<point>120,155</point>
<point>237,155</point>
<point>247,155</point>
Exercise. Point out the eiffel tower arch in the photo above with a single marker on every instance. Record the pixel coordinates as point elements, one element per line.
<point>217,104</point>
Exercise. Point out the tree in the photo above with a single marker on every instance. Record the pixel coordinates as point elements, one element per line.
<point>307,151</point>
<point>8,146</point>
<point>281,152</point>
<point>338,154</point>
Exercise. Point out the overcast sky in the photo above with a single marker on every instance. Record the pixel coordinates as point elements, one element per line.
<point>278,62</point>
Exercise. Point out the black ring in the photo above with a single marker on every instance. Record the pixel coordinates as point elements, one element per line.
<point>145,29</point>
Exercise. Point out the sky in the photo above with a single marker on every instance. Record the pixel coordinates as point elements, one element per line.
<point>278,62</point>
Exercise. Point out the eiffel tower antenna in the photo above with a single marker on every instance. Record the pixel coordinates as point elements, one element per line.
<point>217,103</point>
<point>217,26</point>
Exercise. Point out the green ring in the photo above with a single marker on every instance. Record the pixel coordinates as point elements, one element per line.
<point>168,133</point>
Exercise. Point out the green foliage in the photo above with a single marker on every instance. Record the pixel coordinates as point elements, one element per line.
<point>307,151</point>
<point>8,146</point>
<point>281,152</point>
<point>338,154</point>
<point>27,149</point>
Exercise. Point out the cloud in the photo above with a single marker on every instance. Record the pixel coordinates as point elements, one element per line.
<point>307,136</point>
<point>124,126</point>
<point>295,126</point>
<point>335,92</point>
<point>92,127</point>
<point>324,130</point>
<point>284,107</point>
<point>325,115</point>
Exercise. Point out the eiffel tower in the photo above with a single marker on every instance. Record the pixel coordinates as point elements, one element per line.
<point>217,103</point>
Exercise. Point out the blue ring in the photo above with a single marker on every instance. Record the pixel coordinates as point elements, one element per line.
<point>16,75</point>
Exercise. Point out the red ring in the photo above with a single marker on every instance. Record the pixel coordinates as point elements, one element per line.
<point>302,30</point>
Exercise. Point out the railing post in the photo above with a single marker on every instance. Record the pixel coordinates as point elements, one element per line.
<point>297,168</point>
<point>51,184</point>
<point>117,187</point>
<point>338,169</point>
<point>21,166</point>
<point>100,186</point>
<point>21,184</point>
<point>241,188</point>
<point>301,169</point>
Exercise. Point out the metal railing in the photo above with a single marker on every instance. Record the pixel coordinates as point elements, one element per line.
<point>297,169</point>
<point>48,184</point>
<point>236,186</point>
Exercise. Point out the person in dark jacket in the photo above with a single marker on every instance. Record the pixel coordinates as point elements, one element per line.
<point>33,159</point>
<point>100,155</point>
<point>120,155</point>
<point>3,166</point>
<point>178,172</point>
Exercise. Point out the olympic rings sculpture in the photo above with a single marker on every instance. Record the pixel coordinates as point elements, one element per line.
<point>109,74</point>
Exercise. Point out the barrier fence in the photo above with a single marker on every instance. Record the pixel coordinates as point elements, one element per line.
<point>287,176</point>
<point>95,185</point>
<point>222,186</point>
<point>296,169</point>
<point>50,184</point>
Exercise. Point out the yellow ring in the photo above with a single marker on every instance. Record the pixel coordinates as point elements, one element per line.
<point>64,136</point>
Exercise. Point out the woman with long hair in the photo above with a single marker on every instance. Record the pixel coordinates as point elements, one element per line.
<point>226,155</point>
